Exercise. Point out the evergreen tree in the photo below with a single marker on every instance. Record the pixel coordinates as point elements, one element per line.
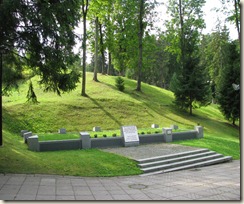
<point>228,97</point>
<point>42,34</point>
<point>190,84</point>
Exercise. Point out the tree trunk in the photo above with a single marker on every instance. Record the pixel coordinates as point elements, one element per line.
<point>182,35</point>
<point>102,48</point>
<point>96,50</point>
<point>140,36</point>
<point>84,11</point>
<point>109,63</point>
<point>237,6</point>
<point>1,100</point>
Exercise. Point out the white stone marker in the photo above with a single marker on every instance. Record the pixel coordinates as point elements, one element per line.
<point>130,136</point>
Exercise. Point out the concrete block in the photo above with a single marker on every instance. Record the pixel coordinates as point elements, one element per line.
<point>199,130</point>
<point>22,132</point>
<point>96,129</point>
<point>62,131</point>
<point>86,140</point>
<point>33,143</point>
<point>174,127</point>
<point>168,136</point>
<point>26,135</point>
<point>154,126</point>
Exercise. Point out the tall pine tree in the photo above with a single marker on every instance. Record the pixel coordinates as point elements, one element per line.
<point>228,97</point>
<point>190,84</point>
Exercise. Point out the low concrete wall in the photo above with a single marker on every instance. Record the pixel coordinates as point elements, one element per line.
<point>60,145</point>
<point>85,142</point>
<point>191,134</point>
<point>106,142</point>
<point>151,138</point>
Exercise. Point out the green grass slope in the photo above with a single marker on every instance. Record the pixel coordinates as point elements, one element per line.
<point>108,108</point>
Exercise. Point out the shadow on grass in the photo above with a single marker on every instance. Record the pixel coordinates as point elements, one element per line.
<point>106,112</point>
<point>12,124</point>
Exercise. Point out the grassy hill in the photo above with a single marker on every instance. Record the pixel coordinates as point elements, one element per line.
<point>108,108</point>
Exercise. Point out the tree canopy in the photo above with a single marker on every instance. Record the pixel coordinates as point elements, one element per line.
<point>40,34</point>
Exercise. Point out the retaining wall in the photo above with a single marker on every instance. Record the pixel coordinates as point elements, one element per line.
<point>86,142</point>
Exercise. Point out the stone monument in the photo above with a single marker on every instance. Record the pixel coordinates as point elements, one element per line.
<point>130,136</point>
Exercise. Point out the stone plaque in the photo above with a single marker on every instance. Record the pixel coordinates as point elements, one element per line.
<point>130,135</point>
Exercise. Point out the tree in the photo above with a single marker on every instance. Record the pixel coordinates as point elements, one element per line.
<point>190,83</point>
<point>214,55</point>
<point>41,35</point>
<point>85,6</point>
<point>234,14</point>
<point>228,97</point>
<point>140,37</point>
<point>96,50</point>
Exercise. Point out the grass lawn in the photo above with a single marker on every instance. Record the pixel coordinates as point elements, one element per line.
<point>109,109</point>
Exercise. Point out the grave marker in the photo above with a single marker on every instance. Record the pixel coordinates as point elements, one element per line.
<point>154,126</point>
<point>62,131</point>
<point>130,136</point>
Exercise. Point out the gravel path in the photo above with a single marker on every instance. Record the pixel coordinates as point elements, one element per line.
<point>150,150</point>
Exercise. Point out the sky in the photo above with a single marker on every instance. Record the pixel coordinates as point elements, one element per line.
<point>210,17</point>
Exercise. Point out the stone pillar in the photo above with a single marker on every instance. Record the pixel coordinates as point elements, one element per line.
<point>168,137</point>
<point>33,143</point>
<point>154,126</point>
<point>62,131</point>
<point>199,130</point>
<point>26,135</point>
<point>86,140</point>
<point>22,132</point>
<point>96,129</point>
<point>175,127</point>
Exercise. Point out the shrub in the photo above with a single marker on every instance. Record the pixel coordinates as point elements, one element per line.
<point>156,132</point>
<point>142,133</point>
<point>104,135</point>
<point>114,135</point>
<point>95,135</point>
<point>119,83</point>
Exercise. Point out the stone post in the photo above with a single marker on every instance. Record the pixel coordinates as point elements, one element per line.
<point>33,143</point>
<point>154,126</point>
<point>168,137</point>
<point>62,131</point>
<point>86,140</point>
<point>22,132</point>
<point>199,130</point>
<point>26,135</point>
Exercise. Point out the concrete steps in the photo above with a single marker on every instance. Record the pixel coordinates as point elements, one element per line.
<point>180,161</point>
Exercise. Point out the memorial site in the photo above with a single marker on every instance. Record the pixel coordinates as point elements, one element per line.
<point>120,100</point>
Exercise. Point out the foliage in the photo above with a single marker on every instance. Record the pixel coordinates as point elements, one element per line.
<point>228,97</point>
<point>232,9</point>
<point>12,72</point>
<point>41,33</point>
<point>214,55</point>
<point>120,83</point>
<point>190,81</point>
<point>31,96</point>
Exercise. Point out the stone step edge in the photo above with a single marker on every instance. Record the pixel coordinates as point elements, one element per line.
<point>200,164</point>
<point>170,156</point>
<point>166,166</point>
<point>167,161</point>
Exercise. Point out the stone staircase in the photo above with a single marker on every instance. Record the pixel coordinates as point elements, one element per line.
<point>180,161</point>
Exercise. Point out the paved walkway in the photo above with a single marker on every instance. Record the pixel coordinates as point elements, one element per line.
<point>150,150</point>
<point>216,182</point>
